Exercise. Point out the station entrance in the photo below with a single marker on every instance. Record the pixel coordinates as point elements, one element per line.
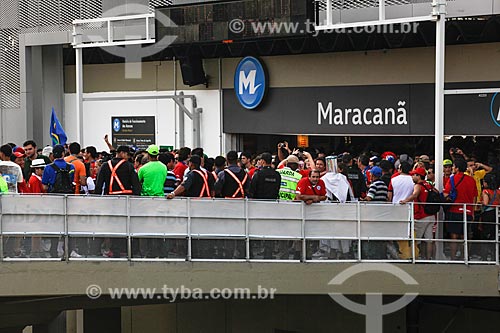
<point>483,147</point>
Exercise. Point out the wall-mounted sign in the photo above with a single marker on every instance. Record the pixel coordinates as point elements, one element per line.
<point>403,109</point>
<point>137,132</point>
<point>250,82</point>
<point>166,149</point>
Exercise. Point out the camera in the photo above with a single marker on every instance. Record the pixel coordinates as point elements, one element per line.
<point>281,145</point>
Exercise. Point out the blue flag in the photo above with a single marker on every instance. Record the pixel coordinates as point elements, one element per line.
<point>56,131</point>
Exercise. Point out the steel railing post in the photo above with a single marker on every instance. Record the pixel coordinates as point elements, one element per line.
<point>66,229</point>
<point>466,236</point>
<point>247,237</point>
<point>497,241</point>
<point>358,214</point>
<point>1,229</point>
<point>129,236</point>
<point>412,231</point>
<point>303,231</point>
<point>189,252</point>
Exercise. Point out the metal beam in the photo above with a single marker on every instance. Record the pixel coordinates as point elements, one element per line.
<point>375,23</point>
<point>471,91</point>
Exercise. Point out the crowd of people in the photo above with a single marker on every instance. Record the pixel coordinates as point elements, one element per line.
<point>285,174</point>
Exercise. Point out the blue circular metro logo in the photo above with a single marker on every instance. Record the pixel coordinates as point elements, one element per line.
<point>250,82</point>
<point>495,111</point>
<point>117,125</point>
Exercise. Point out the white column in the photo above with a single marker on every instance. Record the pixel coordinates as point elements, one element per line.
<point>79,94</point>
<point>439,12</point>
<point>439,102</point>
<point>381,10</point>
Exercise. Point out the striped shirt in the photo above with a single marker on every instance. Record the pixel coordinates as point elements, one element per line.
<point>377,191</point>
<point>171,182</point>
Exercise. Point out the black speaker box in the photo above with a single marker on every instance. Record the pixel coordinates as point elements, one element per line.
<point>192,71</point>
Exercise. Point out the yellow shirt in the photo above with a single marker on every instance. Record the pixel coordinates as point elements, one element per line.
<point>478,176</point>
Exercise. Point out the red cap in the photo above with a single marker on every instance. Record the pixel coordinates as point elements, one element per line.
<point>419,171</point>
<point>19,154</point>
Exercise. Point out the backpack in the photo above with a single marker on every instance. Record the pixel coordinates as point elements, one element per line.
<point>452,196</point>
<point>433,200</point>
<point>63,182</point>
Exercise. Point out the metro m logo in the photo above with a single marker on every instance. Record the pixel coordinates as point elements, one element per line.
<point>248,82</point>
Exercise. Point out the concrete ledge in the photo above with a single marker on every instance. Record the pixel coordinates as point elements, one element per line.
<point>60,278</point>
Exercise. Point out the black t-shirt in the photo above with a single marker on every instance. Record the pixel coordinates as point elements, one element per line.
<point>357,180</point>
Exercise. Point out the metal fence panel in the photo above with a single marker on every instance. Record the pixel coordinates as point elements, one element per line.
<point>383,220</point>
<point>213,226</point>
<point>97,225</point>
<point>101,206</point>
<point>154,207</point>
<point>272,228</point>
<point>33,204</point>
<point>32,214</point>
<point>272,210</point>
<point>97,215</point>
<point>331,220</point>
<point>222,209</point>
<point>160,225</point>
<point>34,224</point>
<point>331,211</point>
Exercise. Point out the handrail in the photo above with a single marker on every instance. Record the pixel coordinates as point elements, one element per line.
<point>202,224</point>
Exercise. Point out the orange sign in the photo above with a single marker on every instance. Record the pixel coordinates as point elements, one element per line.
<point>302,141</point>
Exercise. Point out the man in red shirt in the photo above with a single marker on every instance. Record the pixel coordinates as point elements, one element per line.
<point>181,166</point>
<point>466,194</point>
<point>423,221</point>
<point>311,189</point>
<point>246,163</point>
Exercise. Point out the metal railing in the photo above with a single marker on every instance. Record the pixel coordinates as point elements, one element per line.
<point>124,228</point>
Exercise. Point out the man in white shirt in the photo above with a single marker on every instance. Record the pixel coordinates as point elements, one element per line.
<point>401,186</point>
<point>9,170</point>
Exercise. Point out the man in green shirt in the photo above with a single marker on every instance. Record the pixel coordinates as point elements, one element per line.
<point>4,188</point>
<point>152,175</point>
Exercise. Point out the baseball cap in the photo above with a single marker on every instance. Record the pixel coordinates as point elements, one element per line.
<point>19,154</point>
<point>58,151</point>
<point>153,150</point>
<point>292,159</point>
<point>47,151</point>
<point>38,163</point>
<point>374,159</point>
<point>447,162</point>
<point>419,171</point>
<point>376,171</point>
<point>125,149</point>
